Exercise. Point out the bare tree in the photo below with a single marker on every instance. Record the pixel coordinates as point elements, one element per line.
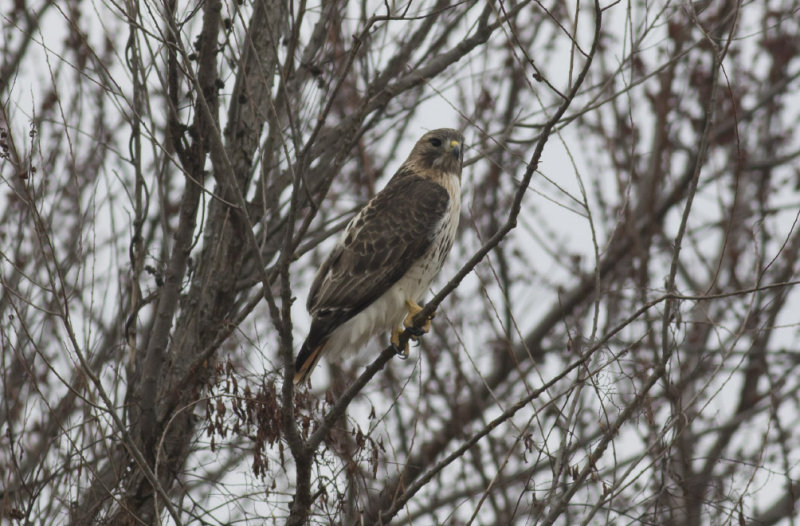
<point>616,329</point>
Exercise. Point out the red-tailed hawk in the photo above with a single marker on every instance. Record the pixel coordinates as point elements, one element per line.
<point>388,255</point>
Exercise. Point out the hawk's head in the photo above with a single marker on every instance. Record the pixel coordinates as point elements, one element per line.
<point>441,149</point>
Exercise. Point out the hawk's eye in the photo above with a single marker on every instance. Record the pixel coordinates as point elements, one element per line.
<point>435,142</point>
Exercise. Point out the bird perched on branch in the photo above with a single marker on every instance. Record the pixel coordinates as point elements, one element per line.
<point>381,267</point>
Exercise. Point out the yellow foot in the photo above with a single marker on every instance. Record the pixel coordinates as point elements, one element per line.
<point>413,310</point>
<point>403,353</point>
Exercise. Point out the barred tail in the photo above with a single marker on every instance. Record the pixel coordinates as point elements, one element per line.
<point>307,359</point>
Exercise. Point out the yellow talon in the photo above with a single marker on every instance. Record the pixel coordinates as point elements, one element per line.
<point>404,352</point>
<point>413,310</point>
<point>408,323</point>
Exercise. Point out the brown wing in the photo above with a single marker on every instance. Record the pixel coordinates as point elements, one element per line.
<point>381,243</point>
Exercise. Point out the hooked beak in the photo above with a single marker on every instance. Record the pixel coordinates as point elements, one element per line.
<point>455,147</point>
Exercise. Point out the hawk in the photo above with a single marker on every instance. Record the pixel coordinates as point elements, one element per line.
<point>390,251</point>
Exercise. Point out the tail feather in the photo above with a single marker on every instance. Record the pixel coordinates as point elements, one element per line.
<point>307,359</point>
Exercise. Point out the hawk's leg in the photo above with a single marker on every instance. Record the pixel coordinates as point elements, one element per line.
<point>413,310</point>
<point>408,323</point>
<point>402,353</point>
